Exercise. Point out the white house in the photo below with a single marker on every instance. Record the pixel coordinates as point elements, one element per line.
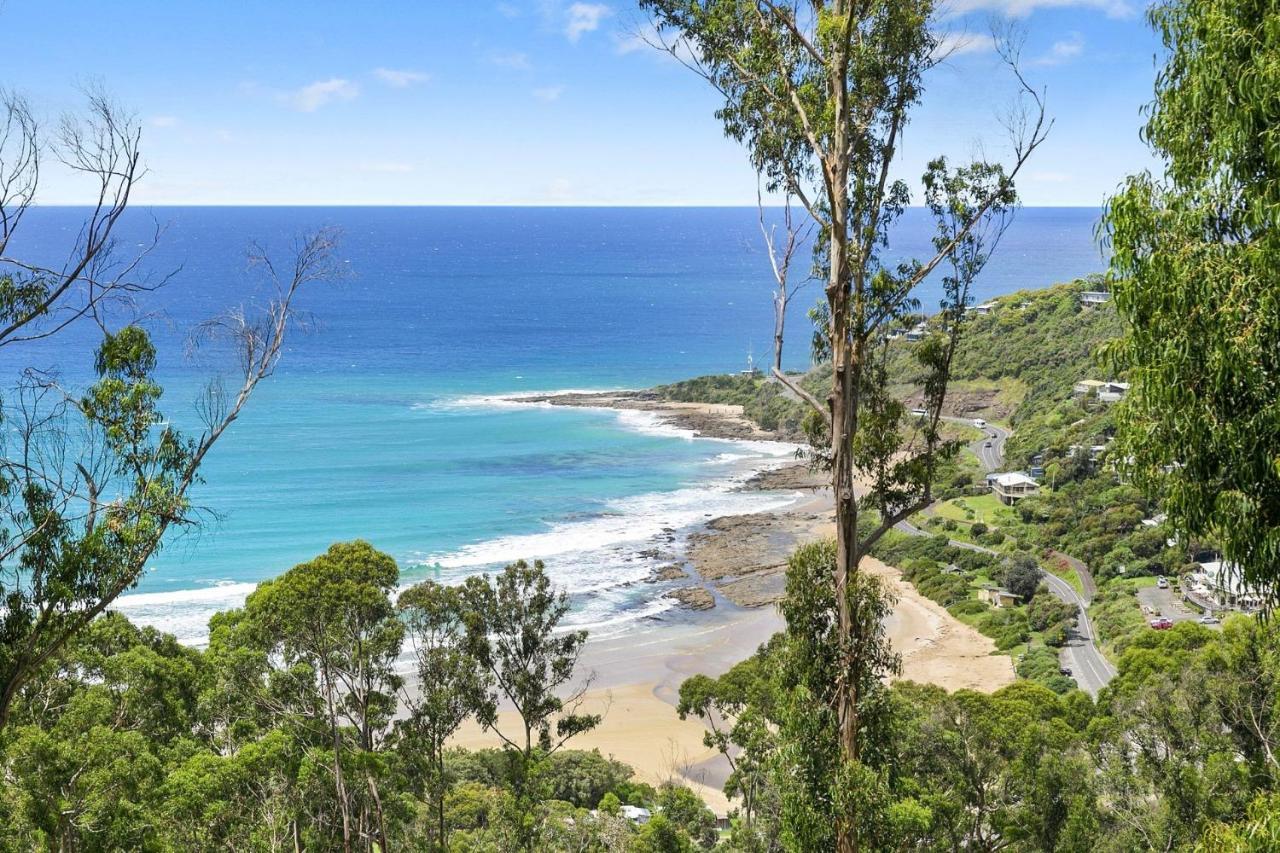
<point>636,814</point>
<point>1013,486</point>
<point>1221,584</point>
<point>984,309</point>
<point>1113,392</point>
<point>1107,391</point>
<point>1084,386</point>
<point>1091,298</point>
<point>917,332</point>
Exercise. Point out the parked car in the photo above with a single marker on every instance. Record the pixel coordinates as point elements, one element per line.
<point>1162,582</point>
<point>979,423</point>
<point>1064,670</point>
<point>1161,624</point>
<point>1208,619</point>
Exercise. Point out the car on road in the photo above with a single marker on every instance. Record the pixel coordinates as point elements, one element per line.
<point>1064,670</point>
<point>919,413</point>
<point>1208,619</point>
<point>979,423</point>
<point>1162,582</point>
<point>988,444</point>
<point>1161,624</point>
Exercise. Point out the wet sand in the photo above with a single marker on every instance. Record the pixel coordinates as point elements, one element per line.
<point>634,679</point>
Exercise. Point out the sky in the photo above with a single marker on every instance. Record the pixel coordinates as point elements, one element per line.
<point>534,102</point>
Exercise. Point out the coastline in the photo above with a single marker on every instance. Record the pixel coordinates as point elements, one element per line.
<point>733,569</point>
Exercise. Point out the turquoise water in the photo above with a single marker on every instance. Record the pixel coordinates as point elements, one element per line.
<point>386,422</point>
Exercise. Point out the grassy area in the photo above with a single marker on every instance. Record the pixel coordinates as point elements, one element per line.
<point>1068,574</point>
<point>985,508</point>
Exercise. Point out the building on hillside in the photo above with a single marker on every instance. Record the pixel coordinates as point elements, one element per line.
<point>984,309</point>
<point>1107,391</point>
<point>998,596</point>
<point>636,814</point>
<point>917,332</point>
<point>1220,585</point>
<point>1113,392</point>
<point>1093,298</point>
<point>1012,486</point>
<point>1085,386</point>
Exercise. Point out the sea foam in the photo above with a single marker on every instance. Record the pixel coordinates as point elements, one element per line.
<point>601,560</point>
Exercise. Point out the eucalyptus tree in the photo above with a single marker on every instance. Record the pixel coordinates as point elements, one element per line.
<point>820,94</point>
<point>91,483</point>
<point>330,623</point>
<point>783,245</point>
<point>514,632</point>
<point>1195,253</point>
<point>449,686</point>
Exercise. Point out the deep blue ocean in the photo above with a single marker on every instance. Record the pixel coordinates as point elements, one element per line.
<point>384,421</point>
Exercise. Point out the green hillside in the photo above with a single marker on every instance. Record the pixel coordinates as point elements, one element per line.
<point>1016,365</point>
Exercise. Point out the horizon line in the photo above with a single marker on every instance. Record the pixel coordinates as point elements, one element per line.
<point>513,205</point>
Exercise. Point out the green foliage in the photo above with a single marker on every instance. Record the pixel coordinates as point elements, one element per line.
<point>763,400</point>
<point>512,633</point>
<point>450,685</point>
<point>279,734</point>
<point>1022,576</point>
<point>1194,260</point>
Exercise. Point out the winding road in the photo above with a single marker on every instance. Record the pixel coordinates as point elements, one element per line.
<point>1090,668</point>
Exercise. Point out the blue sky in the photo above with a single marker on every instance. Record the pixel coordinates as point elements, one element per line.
<point>520,101</point>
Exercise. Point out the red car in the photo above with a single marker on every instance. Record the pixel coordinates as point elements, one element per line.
<point>1161,623</point>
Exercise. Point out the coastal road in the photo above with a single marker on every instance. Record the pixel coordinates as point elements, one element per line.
<point>1089,667</point>
<point>1091,670</point>
<point>991,458</point>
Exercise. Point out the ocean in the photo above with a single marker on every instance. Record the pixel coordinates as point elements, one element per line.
<point>388,419</point>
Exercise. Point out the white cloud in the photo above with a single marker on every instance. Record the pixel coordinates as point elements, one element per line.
<point>548,93</point>
<point>1022,8</point>
<point>385,166</point>
<point>518,61</point>
<point>400,78</point>
<point>163,121</point>
<point>312,97</point>
<point>1063,50</point>
<point>958,44</point>
<point>647,39</point>
<point>584,18</point>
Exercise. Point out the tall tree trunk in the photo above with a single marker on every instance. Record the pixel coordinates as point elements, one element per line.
<point>340,787</point>
<point>439,786</point>
<point>841,288</point>
<point>378,814</point>
<point>779,321</point>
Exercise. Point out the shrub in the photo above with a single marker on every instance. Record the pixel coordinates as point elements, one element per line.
<point>968,607</point>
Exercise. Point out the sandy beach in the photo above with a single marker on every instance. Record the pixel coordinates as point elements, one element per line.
<point>734,570</point>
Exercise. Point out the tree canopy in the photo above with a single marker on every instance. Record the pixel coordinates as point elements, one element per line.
<point>1195,257</point>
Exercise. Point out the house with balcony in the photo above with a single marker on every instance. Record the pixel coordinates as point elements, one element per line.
<point>1219,585</point>
<point>1013,486</point>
